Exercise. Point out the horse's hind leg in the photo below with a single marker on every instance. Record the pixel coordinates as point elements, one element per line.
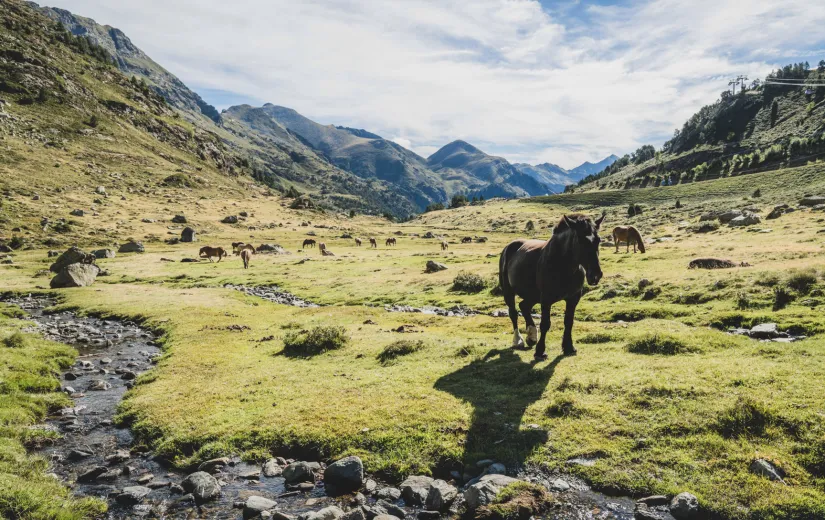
<point>532,333</point>
<point>544,326</point>
<point>510,300</point>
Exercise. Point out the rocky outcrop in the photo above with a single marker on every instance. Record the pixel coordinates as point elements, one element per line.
<point>188,235</point>
<point>75,275</point>
<point>131,247</point>
<point>434,267</point>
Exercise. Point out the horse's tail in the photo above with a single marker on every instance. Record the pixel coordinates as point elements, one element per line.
<point>638,237</point>
<point>503,279</point>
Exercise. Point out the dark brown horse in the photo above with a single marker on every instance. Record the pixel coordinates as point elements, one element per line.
<point>546,272</point>
<point>308,243</point>
<point>373,243</point>
<point>391,241</point>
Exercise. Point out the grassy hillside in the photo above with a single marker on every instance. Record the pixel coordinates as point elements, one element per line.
<point>767,127</point>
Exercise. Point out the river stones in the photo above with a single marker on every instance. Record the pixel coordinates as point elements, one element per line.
<point>388,493</point>
<point>327,513</point>
<point>415,490</point>
<point>99,385</point>
<point>214,465</point>
<point>440,496</point>
<point>271,469</point>
<point>298,472</point>
<point>132,495</point>
<point>685,506</point>
<point>344,476</point>
<point>202,485</point>
<point>256,505</point>
<point>485,490</point>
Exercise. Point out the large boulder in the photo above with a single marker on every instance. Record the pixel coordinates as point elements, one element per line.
<point>765,331</point>
<point>179,219</point>
<point>272,248</point>
<point>484,491</point>
<point>256,505</point>
<point>75,275</point>
<point>415,490</point>
<point>344,476</point>
<point>748,219</point>
<point>685,506</point>
<point>441,495</point>
<point>729,215</point>
<point>188,235</point>
<point>77,212</point>
<point>202,485</point>
<point>298,472</point>
<point>230,219</point>
<point>73,255</point>
<point>434,267</point>
<point>812,200</point>
<point>131,247</point>
<point>103,253</point>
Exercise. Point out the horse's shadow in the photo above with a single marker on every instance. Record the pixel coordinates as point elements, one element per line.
<point>500,387</point>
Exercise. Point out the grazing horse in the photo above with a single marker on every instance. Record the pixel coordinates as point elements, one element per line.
<point>358,242</point>
<point>373,243</point>
<point>546,272</point>
<point>466,240</point>
<point>628,235</point>
<point>308,243</point>
<point>236,246</point>
<point>444,245</point>
<point>246,254</point>
<point>322,247</point>
<point>390,241</point>
<point>245,247</point>
<point>211,252</point>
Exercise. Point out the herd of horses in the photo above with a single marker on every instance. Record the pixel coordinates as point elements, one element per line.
<point>539,272</point>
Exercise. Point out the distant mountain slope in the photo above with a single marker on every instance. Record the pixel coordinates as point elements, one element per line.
<point>553,176</point>
<point>132,60</point>
<point>488,175</point>
<point>765,127</point>
<point>588,168</point>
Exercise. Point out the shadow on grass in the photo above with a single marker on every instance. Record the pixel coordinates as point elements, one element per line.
<point>500,387</point>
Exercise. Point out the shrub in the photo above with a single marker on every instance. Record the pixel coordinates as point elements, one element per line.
<point>746,417</point>
<point>767,279</point>
<point>468,283</point>
<point>664,344</point>
<point>563,406</point>
<point>180,180</point>
<point>459,201</point>
<point>16,340</point>
<point>743,301</point>
<point>781,298</point>
<point>802,281</point>
<point>396,349</point>
<point>757,193</point>
<point>315,341</point>
<point>93,121</point>
<point>814,458</point>
<point>435,206</point>
<point>17,242</point>
<point>530,226</point>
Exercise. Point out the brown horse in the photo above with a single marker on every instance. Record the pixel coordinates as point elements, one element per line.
<point>211,252</point>
<point>246,254</point>
<point>308,243</point>
<point>373,243</point>
<point>244,247</point>
<point>322,247</point>
<point>390,241</point>
<point>628,235</point>
<point>444,245</point>
<point>546,272</point>
<point>358,242</point>
<point>466,240</point>
<point>236,246</point>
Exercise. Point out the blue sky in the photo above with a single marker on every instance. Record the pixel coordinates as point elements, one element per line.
<point>532,81</point>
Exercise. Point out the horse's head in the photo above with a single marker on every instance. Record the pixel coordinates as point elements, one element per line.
<point>587,241</point>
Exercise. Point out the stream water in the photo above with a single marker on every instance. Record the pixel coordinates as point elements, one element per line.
<point>97,458</point>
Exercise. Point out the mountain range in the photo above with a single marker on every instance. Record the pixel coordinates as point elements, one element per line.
<point>343,167</point>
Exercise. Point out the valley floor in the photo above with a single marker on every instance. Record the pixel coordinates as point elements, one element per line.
<point>660,399</point>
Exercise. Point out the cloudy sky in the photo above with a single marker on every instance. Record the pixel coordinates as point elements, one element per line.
<point>532,81</point>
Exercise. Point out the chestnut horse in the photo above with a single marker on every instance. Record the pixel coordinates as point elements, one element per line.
<point>546,272</point>
<point>358,242</point>
<point>246,254</point>
<point>308,243</point>
<point>390,241</point>
<point>628,235</point>
<point>244,247</point>
<point>211,252</point>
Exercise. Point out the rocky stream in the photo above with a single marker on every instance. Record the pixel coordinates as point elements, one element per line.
<point>95,457</point>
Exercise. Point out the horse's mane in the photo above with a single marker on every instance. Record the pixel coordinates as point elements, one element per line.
<point>562,224</point>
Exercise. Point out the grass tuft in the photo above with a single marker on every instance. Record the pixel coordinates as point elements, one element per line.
<point>802,281</point>
<point>470,283</point>
<point>748,417</point>
<point>15,340</point>
<point>518,501</point>
<point>663,344</point>
<point>564,406</point>
<point>396,349</point>
<point>315,341</point>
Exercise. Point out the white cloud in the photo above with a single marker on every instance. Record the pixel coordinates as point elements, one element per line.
<point>488,71</point>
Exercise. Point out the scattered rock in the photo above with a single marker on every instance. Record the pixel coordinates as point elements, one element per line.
<point>256,505</point>
<point>344,476</point>
<point>103,253</point>
<point>75,275</point>
<point>132,247</point>
<point>388,493</point>
<point>428,234</point>
<point>684,506</point>
<point>747,219</point>
<point>812,200</point>
<point>77,213</point>
<point>214,465</point>
<point>272,248</point>
<point>415,490</point>
<point>202,485</point>
<point>179,219</point>
<point>271,469</point>
<point>765,331</point>
<point>434,267</point>
<point>764,468</point>
<point>729,215</point>
<point>710,263</point>
<point>327,513</point>
<point>188,235</point>
<point>92,474</point>
<point>230,219</point>
<point>298,472</point>
<point>485,490</point>
<point>73,255</point>
<point>133,495</point>
<point>99,385</point>
<point>440,496</point>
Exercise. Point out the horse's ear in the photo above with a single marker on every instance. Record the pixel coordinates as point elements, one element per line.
<point>600,220</point>
<point>569,221</point>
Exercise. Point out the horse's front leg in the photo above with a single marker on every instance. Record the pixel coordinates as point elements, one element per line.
<point>544,326</point>
<point>569,315</point>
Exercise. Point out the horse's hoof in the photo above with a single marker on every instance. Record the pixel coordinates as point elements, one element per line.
<point>532,337</point>
<point>518,345</point>
<point>540,357</point>
<point>570,351</point>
